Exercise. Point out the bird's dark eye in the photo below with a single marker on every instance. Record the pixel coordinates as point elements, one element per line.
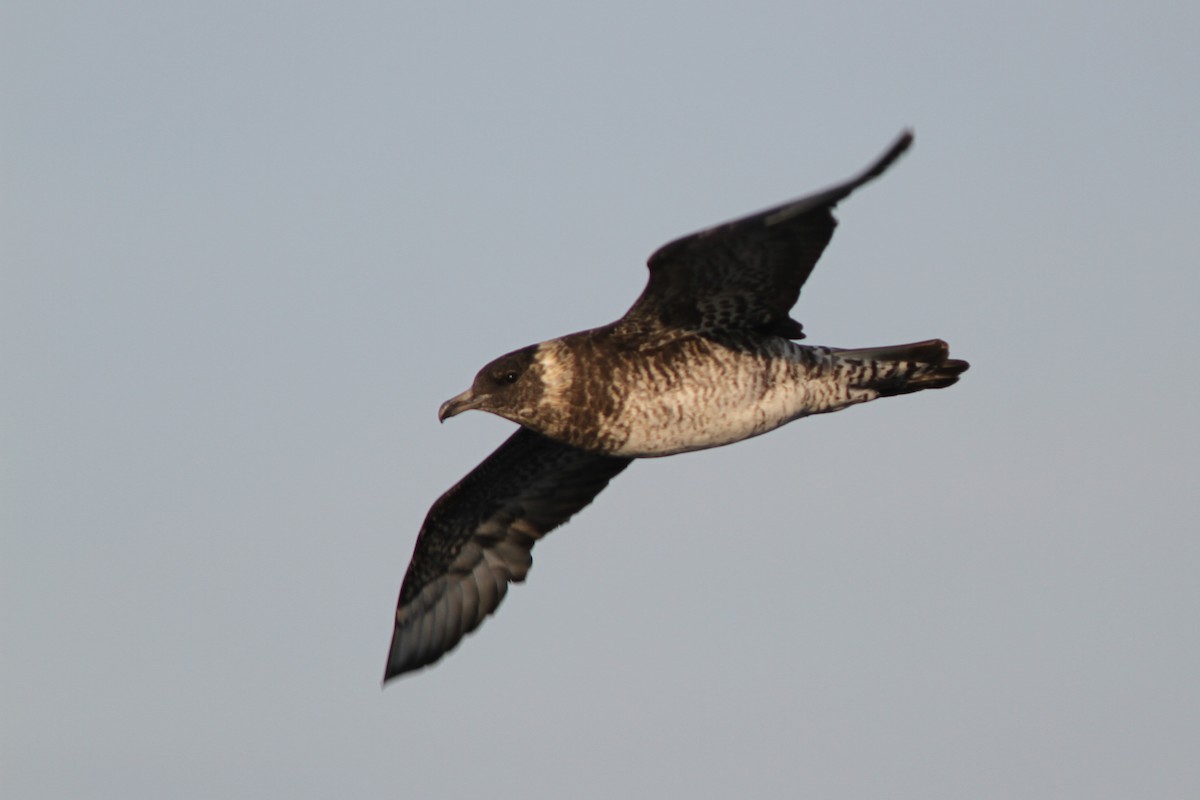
<point>509,377</point>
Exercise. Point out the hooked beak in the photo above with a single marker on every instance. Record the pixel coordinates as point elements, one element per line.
<point>457,404</point>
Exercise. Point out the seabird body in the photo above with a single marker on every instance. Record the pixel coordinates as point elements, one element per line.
<point>705,357</point>
<point>606,394</point>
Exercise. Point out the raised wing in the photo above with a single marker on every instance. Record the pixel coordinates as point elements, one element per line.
<point>478,536</point>
<point>745,274</point>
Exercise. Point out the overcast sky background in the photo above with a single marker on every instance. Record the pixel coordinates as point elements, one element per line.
<point>249,248</point>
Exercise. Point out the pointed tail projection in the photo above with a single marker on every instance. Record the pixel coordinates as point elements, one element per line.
<point>905,368</point>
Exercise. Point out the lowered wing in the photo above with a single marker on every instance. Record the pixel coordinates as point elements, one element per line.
<point>478,536</point>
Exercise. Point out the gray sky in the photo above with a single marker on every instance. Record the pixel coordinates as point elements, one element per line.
<point>248,249</point>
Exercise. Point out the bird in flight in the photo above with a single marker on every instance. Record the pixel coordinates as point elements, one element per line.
<point>705,357</point>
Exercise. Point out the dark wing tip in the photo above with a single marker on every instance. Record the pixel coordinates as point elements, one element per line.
<point>388,674</point>
<point>828,198</point>
<point>902,143</point>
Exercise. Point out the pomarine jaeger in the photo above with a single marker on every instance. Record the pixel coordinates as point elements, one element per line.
<point>704,358</point>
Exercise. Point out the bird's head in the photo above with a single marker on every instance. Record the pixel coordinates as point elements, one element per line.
<point>509,387</point>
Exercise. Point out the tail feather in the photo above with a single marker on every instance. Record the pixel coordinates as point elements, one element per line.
<point>905,368</point>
